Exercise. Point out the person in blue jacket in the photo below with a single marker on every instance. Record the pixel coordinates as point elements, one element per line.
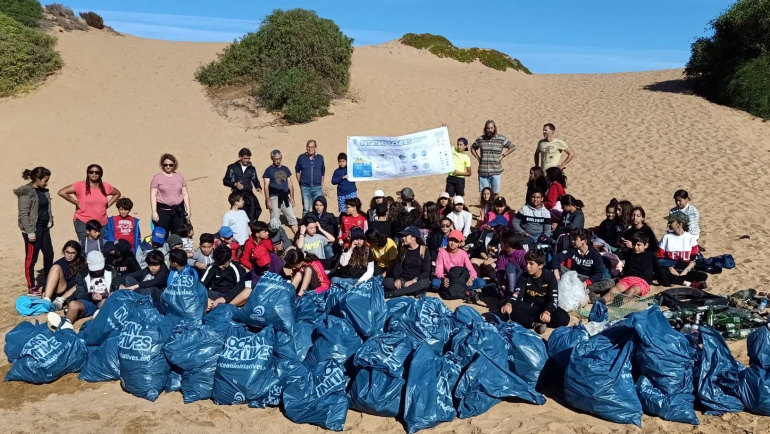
<point>123,226</point>
<point>345,189</point>
<point>310,170</point>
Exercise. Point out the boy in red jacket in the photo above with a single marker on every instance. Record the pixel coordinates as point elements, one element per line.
<point>123,226</point>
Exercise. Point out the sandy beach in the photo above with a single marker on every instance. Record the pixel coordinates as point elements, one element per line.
<point>121,101</point>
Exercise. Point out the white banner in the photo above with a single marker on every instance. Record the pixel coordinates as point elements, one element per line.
<point>417,154</point>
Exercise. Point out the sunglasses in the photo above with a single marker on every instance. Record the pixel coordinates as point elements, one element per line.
<point>168,165</point>
<point>446,226</point>
<point>94,172</point>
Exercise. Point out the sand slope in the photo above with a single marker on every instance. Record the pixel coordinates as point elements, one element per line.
<point>121,101</point>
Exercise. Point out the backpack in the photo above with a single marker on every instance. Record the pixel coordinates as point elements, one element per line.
<point>458,277</point>
<point>688,298</point>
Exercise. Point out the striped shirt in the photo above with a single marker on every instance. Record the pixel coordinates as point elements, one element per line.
<point>694,216</point>
<point>490,150</point>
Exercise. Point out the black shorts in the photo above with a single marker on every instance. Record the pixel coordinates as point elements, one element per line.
<point>455,186</point>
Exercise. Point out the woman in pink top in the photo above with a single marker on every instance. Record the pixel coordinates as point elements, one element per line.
<point>453,256</point>
<point>169,199</point>
<point>92,198</point>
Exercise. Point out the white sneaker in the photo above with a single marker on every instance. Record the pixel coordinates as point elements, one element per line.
<point>58,302</point>
<point>55,320</point>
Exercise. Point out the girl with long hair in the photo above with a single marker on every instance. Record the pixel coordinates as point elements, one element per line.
<point>62,278</point>
<point>307,272</point>
<point>357,262</point>
<point>35,222</point>
<point>638,224</point>
<point>536,181</point>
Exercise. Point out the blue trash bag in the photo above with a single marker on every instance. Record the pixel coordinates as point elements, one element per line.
<point>33,306</point>
<point>221,318</point>
<point>245,368</point>
<point>463,317</point>
<point>103,362</point>
<point>428,320</point>
<point>663,359</point>
<point>336,339</point>
<point>47,356</point>
<point>598,379</point>
<point>143,366</point>
<point>174,380</point>
<point>480,337</point>
<point>17,338</point>
<point>319,399</point>
<point>717,375</point>
<point>271,303</point>
<point>430,381</point>
<point>379,384</point>
<point>361,304</point>
<point>754,390</point>
<point>397,309</point>
<point>185,297</point>
<point>527,354</point>
<point>758,345</point>
<point>195,352</point>
<point>563,340</point>
<point>599,312</point>
<point>311,306</point>
<point>113,313</point>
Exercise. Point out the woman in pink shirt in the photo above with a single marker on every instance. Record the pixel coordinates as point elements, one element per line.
<point>169,199</point>
<point>92,198</point>
<point>453,256</point>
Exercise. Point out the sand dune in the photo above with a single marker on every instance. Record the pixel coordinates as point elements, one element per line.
<point>121,101</point>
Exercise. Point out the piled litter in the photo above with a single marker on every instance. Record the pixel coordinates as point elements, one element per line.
<point>413,360</point>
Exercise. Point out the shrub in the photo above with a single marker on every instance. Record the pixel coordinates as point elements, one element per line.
<point>441,47</point>
<point>749,87</point>
<point>723,66</point>
<point>27,56</point>
<point>27,12</point>
<point>296,61</point>
<point>59,15</point>
<point>93,19</point>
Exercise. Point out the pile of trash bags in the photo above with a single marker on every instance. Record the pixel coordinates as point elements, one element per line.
<point>318,356</point>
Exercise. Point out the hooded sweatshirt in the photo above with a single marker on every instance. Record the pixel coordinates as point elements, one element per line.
<point>328,221</point>
<point>534,221</point>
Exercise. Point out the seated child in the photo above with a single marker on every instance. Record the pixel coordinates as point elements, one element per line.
<point>226,280</point>
<point>93,241</point>
<point>152,279</point>
<point>307,272</point>
<point>384,251</point>
<point>256,251</point>
<point>123,226</point>
<point>61,281</point>
<point>186,232</point>
<point>328,221</point>
<point>201,257</point>
<point>156,241</point>
<point>510,263</point>
<point>587,261</point>
<point>279,238</point>
<point>121,259</point>
<point>312,238</point>
<point>93,286</point>
<point>453,256</point>
<point>351,218</point>
<point>380,220</point>
<point>357,262</point>
<point>641,267</point>
<point>225,237</point>
<point>411,271</point>
<point>534,302</point>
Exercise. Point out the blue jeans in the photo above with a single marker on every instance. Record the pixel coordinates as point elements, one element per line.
<point>491,181</point>
<point>478,283</point>
<point>308,196</point>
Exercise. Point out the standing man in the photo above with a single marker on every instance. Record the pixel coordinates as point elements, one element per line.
<point>241,177</point>
<point>279,194</point>
<point>489,150</point>
<point>549,150</point>
<point>455,182</point>
<point>310,170</point>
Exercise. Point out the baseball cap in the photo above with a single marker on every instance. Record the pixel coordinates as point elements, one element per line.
<point>95,261</point>
<point>379,193</point>
<point>457,235</point>
<point>411,230</point>
<point>173,240</point>
<point>406,193</point>
<point>458,199</point>
<point>678,216</point>
<point>226,232</point>
<point>498,221</point>
<point>357,234</point>
<point>444,195</point>
<point>158,235</point>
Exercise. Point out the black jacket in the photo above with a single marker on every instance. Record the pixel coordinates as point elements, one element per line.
<point>249,178</point>
<point>543,291</point>
<point>159,281</point>
<point>228,282</point>
<point>328,221</point>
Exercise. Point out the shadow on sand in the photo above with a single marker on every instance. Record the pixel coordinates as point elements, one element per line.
<point>670,86</point>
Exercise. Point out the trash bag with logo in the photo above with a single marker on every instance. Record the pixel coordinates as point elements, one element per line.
<point>103,362</point>
<point>717,375</point>
<point>428,320</point>
<point>598,379</point>
<point>46,356</point>
<point>397,309</point>
<point>112,315</point>
<point>311,306</point>
<point>195,352</point>
<point>221,318</point>
<point>430,381</point>
<point>143,366</point>
<point>336,339</point>
<point>271,303</point>
<point>379,384</point>
<point>361,304</point>
<point>319,399</point>
<point>663,360</point>
<point>245,368</point>
<point>527,354</point>
<point>563,340</point>
<point>17,338</point>
<point>754,387</point>
<point>185,297</point>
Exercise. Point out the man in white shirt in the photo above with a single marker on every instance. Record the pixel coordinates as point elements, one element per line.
<point>549,150</point>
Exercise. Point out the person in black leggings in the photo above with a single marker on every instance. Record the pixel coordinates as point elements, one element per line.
<point>35,222</point>
<point>169,198</point>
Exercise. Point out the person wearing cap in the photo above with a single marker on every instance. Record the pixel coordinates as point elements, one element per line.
<point>462,219</point>
<point>678,250</point>
<point>407,198</point>
<point>549,150</point>
<point>356,264</point>
<point>453,256</point>
<point>226,236</point>
<point>310,170</point>
<point>490,149</point>
<point>411,271</point>
<point>444,204</point>
<point>156,241</point>
<point>345,189</point>
<point>455,182</point>
<point>377,198</point>
<point>279,195</point>
<point>93,286</point>
<point>242,177</point>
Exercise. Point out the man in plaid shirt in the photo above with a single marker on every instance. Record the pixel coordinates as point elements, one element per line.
<point>490,149</point>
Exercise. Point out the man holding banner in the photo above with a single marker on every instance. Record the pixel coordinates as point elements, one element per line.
<point>488,150</point>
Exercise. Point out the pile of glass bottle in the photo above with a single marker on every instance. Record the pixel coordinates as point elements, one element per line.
<point>733,323</point>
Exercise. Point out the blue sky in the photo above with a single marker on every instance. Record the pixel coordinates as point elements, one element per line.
<point>548,36</point>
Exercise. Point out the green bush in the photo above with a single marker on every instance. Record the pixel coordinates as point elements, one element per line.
<point>27,56</point>
<point>93,19</point>
<point>27,12</point>
<point>749,88</point>
<point>723,66</point>
<point>441,47</point>
<point>296,60</point>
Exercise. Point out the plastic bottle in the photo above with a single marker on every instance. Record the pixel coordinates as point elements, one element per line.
<point>762,305</point>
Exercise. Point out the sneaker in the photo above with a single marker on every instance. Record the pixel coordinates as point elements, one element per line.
<point>34,292</point>
<point>55,321</point>
<point>58,302</point>
<point>539,328</point>
<point>699,285</point>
